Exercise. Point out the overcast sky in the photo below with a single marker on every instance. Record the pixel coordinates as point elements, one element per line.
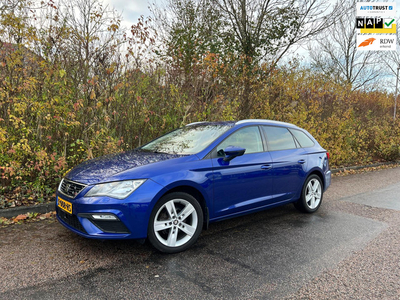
<point>131,10</point>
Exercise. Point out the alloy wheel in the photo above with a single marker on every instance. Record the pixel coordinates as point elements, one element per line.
<point>313,193</point>
<point>175,223</point>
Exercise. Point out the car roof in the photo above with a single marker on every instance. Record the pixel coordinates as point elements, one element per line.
<point>246,121</point>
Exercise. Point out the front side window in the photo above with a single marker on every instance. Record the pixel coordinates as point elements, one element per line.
<point>186,140</point>
<point>248,138</point>
<point>278,138</point>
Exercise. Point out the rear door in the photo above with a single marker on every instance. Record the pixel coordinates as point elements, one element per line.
<point>289,162</point>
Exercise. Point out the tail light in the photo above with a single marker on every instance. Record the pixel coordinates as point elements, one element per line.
<point>328,155</point>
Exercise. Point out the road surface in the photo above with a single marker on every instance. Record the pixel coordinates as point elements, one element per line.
<point>349,249</point>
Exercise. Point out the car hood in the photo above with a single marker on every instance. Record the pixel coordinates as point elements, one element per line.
<point>101,168</point>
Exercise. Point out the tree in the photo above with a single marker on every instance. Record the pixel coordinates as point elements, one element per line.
<point>264,30</point>
<point>254,32</point>
<point>335,54</point>
<point>15,25</point>
<point>94,37</point>
<point>391,60</point>
<point>189,30</point>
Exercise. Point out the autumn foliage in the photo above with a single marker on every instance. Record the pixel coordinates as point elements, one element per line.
<point>67,96</point>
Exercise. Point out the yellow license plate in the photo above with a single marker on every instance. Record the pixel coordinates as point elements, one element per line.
<point>65,205</point>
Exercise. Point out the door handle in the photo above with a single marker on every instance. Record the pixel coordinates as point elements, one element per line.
<point>266,167</point>
<point>301,161</point>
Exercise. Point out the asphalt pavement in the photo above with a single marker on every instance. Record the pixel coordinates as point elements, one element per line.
<point>349,249</point>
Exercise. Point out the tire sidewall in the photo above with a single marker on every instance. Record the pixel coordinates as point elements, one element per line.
<point>151,234</point>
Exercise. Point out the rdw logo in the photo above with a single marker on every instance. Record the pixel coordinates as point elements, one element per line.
<point>386,41</point>
<point>367,42</point>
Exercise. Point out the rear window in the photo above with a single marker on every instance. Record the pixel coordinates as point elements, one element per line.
<point>302,138</point>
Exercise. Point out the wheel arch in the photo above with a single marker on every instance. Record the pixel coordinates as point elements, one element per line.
<point>319,174</point>
<point>197,195</point>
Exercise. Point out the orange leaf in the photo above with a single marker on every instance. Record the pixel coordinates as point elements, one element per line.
<point>20,217</point>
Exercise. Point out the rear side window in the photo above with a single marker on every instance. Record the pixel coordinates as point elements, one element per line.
<point>302,138</point>
<point>278,138</point>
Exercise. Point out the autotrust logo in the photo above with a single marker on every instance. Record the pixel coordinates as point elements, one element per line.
<point>367,42</point>
<point>382,9</point>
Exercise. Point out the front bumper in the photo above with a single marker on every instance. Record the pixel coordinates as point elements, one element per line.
<point>131,214</point>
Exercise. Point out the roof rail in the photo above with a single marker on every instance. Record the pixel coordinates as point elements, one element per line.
<point>264,121</point>
<point>195,123</point>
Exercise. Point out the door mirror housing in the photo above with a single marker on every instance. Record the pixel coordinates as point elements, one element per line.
<point>232,151</point>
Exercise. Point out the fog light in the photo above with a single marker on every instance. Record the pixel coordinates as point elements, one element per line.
<point>104,217</point>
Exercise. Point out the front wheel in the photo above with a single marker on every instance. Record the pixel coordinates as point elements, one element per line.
<point>175,223</point>
<point>311,195</point>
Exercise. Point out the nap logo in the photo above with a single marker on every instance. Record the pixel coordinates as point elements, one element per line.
<point>362,23</point>
<point>389,23</point>
<point>376,25</point>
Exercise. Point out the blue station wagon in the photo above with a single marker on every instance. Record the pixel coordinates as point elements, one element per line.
<point>171,188</point>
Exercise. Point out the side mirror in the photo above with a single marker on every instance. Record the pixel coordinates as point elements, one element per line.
<point>232,151</point>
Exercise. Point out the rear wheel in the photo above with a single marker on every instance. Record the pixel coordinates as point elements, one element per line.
<point>311,195</point>
<point>175,223</point>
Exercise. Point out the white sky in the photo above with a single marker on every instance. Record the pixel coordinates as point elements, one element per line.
<point>131,10</point>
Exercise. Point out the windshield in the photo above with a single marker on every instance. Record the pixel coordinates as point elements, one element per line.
<point>187,140</point>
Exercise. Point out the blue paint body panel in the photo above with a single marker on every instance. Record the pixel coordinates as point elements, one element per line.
<point>245,184</point>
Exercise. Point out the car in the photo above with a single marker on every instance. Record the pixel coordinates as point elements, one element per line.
<point>172,188</point>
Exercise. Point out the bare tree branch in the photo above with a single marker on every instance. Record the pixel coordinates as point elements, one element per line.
<point>336,54</point>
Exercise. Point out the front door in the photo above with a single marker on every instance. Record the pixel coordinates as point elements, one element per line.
<point>245,182</point>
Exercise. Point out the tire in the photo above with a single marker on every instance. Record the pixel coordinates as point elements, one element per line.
<point>311,195</point>
<point>175,223</point>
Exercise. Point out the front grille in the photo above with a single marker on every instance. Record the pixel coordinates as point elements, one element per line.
<point>71,188</point>
<point>71,220</point>
<point>110,226</point>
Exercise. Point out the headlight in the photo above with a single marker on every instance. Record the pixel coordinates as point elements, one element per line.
<point>118,189</point>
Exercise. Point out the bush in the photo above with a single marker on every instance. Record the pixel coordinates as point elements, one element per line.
<point>57,109</point>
